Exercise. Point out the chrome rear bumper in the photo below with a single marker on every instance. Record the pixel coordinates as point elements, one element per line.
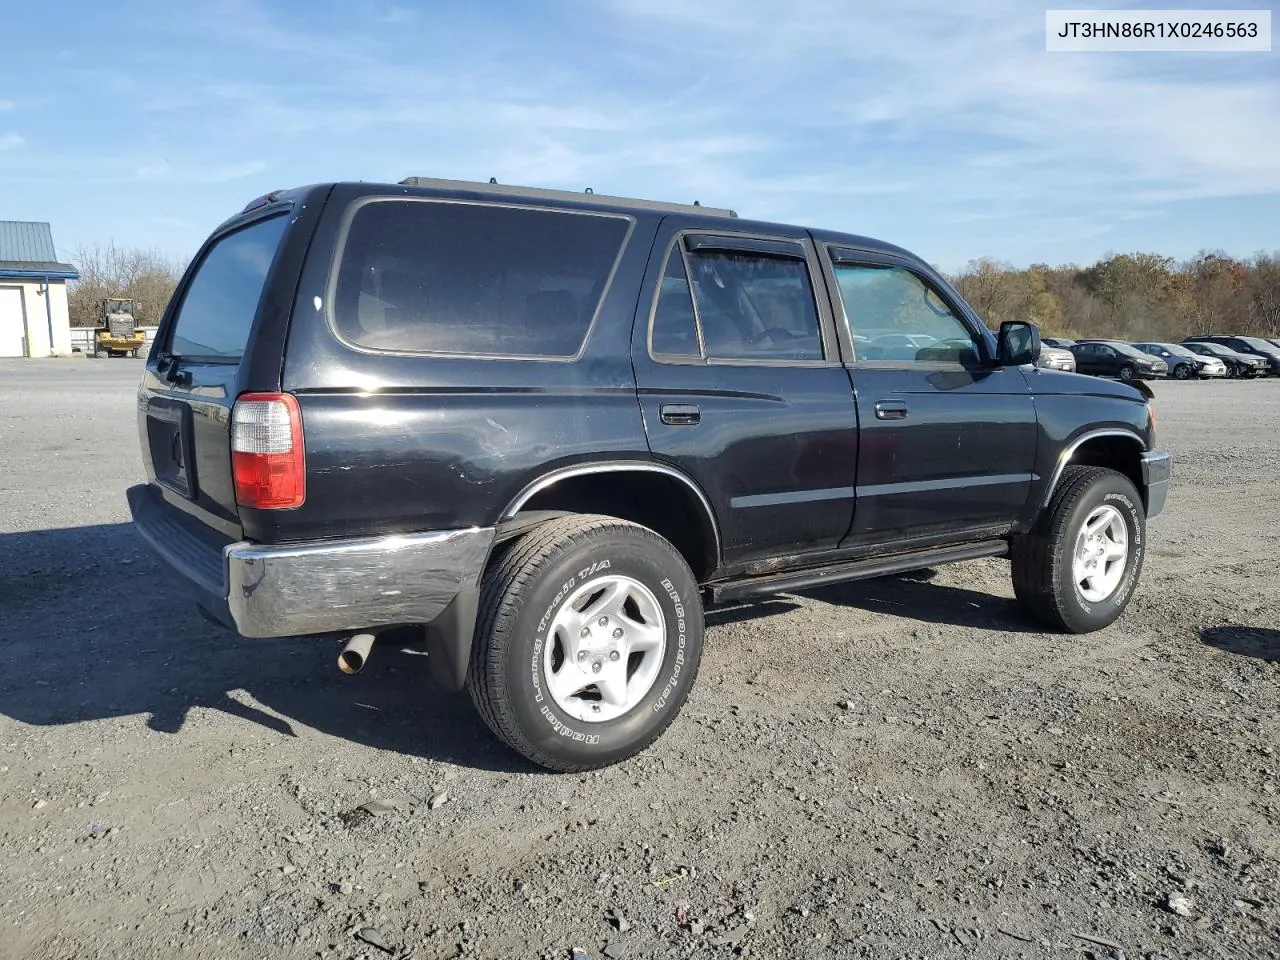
<point>316,587</point>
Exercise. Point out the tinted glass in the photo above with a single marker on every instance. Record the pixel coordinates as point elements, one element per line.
<point>675,331</point>
<point>1259,344</point>
<point>754,307</point>
<point>473,279</point>
<point>901,318</point>
<point>220,303</point>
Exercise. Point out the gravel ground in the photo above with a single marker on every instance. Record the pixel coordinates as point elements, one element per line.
<point>897,768</point>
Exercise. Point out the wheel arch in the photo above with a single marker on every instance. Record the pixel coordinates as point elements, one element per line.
<point>654,495</point>
<point>1114,448</point>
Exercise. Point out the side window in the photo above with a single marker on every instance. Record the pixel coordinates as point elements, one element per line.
<point>1106,351</point>
<point>895,316</point>
<point>752,306</point>
<point>473,279</point>
<point>675,329</point>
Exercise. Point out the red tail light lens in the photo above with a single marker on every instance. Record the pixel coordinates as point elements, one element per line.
<point>267,459</point>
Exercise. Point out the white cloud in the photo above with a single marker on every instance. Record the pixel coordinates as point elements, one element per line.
<point>11,141</point>
<point>950,76</point>
<point>7,105</point>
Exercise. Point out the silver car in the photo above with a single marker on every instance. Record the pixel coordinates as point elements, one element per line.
<point>1055,358</point>
<point>1183,363</point>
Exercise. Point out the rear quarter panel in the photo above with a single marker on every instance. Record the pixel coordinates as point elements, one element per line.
<point>400,443</point>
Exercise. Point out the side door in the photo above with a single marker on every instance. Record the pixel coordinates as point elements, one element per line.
<point>1089,359</point>
<point>948,437</point>
<point>741,386</point>
<point>1109,360</point>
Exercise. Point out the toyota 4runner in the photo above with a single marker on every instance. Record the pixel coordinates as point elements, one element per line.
<point>549,427</point>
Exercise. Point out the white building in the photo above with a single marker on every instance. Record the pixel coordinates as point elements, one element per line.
<point>33,292</point>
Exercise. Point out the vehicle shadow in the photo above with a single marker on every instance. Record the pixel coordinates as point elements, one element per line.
<point>914,596</point>
<point>1260,642</point>
<point>92,627</point>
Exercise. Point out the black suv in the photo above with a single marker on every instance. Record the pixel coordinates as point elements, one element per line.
<point>548,427</point>
<point>1264,350</point>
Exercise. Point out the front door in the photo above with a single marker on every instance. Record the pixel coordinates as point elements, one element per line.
<point>948,437</point>
<point>741,387</point>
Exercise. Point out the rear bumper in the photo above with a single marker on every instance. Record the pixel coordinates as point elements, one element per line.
<point>322,586</point>
<point>1157,469</point>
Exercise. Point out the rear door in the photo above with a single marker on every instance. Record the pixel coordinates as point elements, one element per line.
<point>741,386</point>
<point>948,438</point>
<point>196,370</point>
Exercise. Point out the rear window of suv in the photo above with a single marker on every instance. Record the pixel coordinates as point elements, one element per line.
<point>220,302</point>
<point>467,279</point>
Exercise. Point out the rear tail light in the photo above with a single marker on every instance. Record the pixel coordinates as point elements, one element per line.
<point>267,459</point>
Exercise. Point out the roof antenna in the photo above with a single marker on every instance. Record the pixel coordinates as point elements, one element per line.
<point>493,179</point>
<point>589,190</point>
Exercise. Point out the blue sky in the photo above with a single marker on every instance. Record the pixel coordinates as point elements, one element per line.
<point>944,127</point>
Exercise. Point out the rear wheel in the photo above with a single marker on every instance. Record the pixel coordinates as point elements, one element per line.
<point>588,641</point>
<point>1077,569</point>
<point>1182,372</point>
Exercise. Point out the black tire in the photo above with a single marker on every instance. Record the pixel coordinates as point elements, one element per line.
<point>1042,559</point>
<point>1182,372</point>
<point>1127,372</point>
<point>522,590</point>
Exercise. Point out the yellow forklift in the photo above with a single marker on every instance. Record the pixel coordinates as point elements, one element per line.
<point>118,334</point>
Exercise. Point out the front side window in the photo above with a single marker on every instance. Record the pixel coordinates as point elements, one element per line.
<point>220,302</point>
<point>895,316</point>
<point>473,279</point>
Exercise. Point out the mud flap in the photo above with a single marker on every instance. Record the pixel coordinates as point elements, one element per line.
<point>449,640</point>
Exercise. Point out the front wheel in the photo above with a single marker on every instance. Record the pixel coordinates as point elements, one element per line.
<point>1077,569</point>
<point>1182,372</point>
<point>588,641</point>
<point>1127,373</point>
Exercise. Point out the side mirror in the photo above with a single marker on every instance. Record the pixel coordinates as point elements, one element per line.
<point>1018,343</point>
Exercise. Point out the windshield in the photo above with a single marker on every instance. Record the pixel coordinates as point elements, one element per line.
<point>1128,351</point>
<point>1214,348</point>
<point>1173,348</point>
<point>1259,344</point>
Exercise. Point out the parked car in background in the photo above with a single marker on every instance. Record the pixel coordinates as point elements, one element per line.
<point>1062,343</point>
<point>1250,346</point>
<point>1275,340</point>
<point>1238,364</point>
<point>1114,358</point>
<point>1184,364</point>
<point>1056,358</point>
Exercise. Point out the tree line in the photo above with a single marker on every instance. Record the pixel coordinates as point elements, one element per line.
<point>146,276</point>
<point>1130,296</point>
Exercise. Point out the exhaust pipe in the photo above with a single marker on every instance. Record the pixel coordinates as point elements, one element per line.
<point>356,653</point>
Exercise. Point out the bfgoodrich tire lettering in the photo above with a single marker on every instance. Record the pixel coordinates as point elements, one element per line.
<point>1043,561</point>
<point>525,587</point>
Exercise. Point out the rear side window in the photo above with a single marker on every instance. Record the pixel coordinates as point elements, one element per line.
<point>473,279</point>
<point>219,305</point>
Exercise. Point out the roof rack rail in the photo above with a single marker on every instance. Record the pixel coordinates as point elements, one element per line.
<point>541,193</point>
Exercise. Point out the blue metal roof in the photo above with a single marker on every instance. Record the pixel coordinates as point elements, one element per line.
<point>26,242</point>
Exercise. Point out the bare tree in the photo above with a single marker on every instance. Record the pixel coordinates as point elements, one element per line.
<point>110,271</point>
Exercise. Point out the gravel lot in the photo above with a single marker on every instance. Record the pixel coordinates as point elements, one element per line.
<point>895,768</point>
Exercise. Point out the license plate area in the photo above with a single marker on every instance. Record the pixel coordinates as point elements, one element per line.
<point>169,433</point>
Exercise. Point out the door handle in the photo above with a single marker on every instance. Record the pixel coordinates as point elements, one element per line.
<point>680,414</point>
<point>891,410</point>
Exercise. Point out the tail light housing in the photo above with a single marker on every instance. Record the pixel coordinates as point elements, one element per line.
<point>267,459</point>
